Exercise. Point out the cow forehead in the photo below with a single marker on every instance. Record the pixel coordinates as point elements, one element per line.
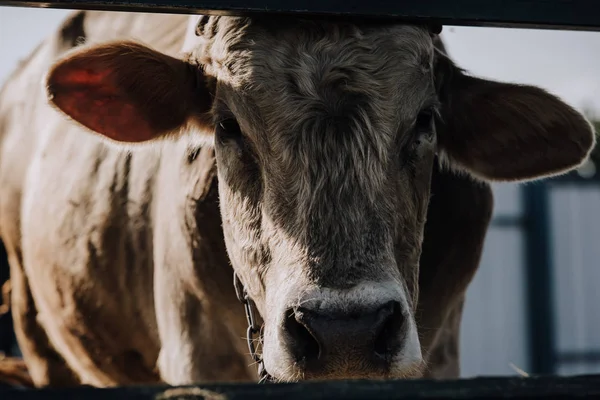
<point>341,70</point>
<point>272,55</point>
<point>288,72</point>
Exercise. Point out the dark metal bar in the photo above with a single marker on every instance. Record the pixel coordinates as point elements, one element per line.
<point>544,14</point>
<point>540,300</point>
<point>576,357</point>
<point>480,388</point>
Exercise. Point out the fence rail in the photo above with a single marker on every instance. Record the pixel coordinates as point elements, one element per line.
<point>479,388</point>
<point>543,14</point>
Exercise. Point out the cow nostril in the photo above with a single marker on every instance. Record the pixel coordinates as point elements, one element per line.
<point>320,340</point>
<point>304,345</point>
<point>390,323</point>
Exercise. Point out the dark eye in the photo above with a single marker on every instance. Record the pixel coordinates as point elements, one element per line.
<point>423,132</point>
<point>424,121</point>
<point>228,129</point>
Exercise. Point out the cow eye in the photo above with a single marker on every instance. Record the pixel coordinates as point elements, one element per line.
<point>424,129</point>
<point>424,120</point>
<point>423,132</point>
<point>228,129</point>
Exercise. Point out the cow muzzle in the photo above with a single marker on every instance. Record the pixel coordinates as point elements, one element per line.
<point>367,332</point>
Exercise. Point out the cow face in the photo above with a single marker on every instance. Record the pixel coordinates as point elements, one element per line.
<point>325,136</point>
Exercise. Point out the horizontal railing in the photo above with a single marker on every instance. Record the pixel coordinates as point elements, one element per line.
<point>544,14</point>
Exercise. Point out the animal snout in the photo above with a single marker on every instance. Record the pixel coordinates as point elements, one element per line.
<point>319,339</point>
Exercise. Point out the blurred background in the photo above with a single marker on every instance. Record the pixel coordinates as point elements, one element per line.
<point>534,303</point>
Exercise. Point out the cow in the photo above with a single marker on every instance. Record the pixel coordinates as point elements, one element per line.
<point>340,169</point>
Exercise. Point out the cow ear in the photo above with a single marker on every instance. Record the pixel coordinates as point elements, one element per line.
<point>507,132</point>
<point>129,93</point>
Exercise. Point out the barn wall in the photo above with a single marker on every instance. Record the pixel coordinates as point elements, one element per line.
<point>576,253</point>
<point>494,331</point>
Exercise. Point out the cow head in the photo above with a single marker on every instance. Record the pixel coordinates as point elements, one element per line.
<point>325,136</point>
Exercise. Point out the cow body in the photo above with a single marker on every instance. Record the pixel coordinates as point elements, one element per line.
<point>119,266</point>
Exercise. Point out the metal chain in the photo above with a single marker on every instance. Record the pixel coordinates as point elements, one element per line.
<point>253,328</point>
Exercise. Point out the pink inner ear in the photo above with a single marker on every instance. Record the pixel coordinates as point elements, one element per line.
<point>91,98</point>
<point>85,77</point>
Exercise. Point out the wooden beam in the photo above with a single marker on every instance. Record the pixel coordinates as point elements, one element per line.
<point>543,14</point>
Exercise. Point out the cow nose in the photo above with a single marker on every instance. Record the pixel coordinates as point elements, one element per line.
<point>317,338</point>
